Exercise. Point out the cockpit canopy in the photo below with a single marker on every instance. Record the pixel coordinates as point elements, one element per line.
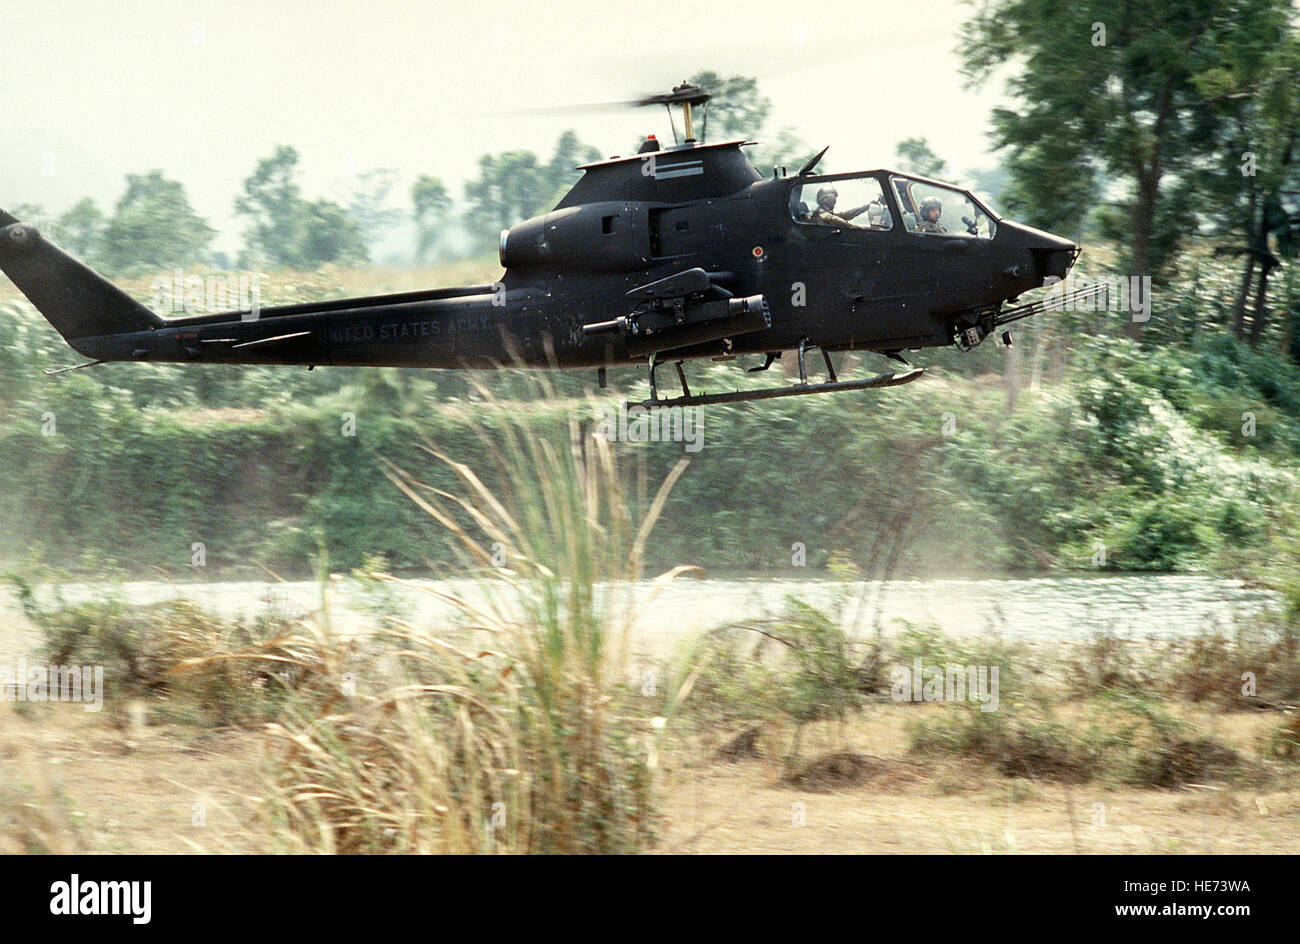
<point>880,200</point>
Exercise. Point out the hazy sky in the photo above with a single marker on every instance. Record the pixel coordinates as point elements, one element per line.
<point>91,91</point>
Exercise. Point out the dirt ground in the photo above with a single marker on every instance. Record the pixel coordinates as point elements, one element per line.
<point>73,781</point>
<point>78,782</point>
<point>743,809</point>
<point>867,794</point>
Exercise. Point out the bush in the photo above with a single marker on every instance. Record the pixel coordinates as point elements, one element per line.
<point>1107,663</point>
<point>194,667</point>
<point>824,681</point>
<point>936,649</point>
<point>737,680</point>
<point>1018,747</point>
<point>1121,737</point>
<point>1161,536</point>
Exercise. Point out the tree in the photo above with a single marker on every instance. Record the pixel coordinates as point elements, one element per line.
<point>154,226</point>
<point>786,149</point>
<point>1253,92</point>
<point>510,187</point>
<point>431,211</point>
<point>515,185</point>
<point>915,157</point>
<point>739,110</point>
<point>273,202</point>
<point>991,183</point>
<point>331,234</point>
<point>33,214</point>
<point>367,204</point>
<point>1111,89</point>
<point>568,155</point>
<point>81,230</point>
<point>290,231</point>
<point>736,110</point>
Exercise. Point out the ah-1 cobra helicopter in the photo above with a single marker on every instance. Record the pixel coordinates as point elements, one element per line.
<point>667,255</point>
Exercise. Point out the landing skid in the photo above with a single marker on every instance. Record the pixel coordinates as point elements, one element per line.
<point>889,379</point>
<point>803,388</point>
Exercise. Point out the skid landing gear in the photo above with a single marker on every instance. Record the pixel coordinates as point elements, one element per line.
<point>832,385</point>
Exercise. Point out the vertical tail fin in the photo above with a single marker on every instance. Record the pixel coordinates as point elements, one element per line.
<point>78,301</point>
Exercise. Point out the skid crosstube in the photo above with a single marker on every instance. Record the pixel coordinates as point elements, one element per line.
<point>889,379</point>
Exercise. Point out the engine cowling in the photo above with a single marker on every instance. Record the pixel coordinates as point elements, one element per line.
<point>603,237</point>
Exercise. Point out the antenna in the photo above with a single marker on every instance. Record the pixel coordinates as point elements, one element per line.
<point>808,168</point>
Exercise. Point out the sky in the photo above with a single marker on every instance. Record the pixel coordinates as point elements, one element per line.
<point>90,92</point>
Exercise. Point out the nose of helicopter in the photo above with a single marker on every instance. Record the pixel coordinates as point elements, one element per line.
<point>1039,255</point>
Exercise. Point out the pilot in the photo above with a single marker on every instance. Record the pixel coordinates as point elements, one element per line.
<point>825,212</point>
<point>931,210</point>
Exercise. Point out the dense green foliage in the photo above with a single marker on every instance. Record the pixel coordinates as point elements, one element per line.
<point>1158,120</point>
<point>1177,457</point>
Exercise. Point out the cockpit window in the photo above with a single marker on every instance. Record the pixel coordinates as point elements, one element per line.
<point>855,202</point>
<point>930,209</point>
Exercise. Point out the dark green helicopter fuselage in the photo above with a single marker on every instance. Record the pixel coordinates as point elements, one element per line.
<point>683,253</point>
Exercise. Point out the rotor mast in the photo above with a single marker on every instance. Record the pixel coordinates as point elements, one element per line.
<point>687,124</point>
<point>687,96</point>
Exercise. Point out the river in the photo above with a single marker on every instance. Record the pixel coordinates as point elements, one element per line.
<point>1037,609</point>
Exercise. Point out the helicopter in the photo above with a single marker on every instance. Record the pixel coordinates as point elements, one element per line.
<point>671,254</point>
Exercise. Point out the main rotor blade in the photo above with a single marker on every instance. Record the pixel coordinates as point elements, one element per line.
<point>775,60</point>
<point>578,108</point>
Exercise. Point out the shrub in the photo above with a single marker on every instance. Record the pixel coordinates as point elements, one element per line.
<point>193,666</point>
<point>1122,737</point>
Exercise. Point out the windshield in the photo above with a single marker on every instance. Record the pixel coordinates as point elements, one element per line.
<point>856,202</point>
<point>932,209</point>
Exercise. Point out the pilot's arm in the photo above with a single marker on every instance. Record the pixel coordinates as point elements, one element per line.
<point>831,219</point>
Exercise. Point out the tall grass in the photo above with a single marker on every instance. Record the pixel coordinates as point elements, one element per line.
<point>514,730</point>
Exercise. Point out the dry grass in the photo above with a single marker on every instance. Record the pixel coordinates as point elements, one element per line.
<point>513,733</point>
<point>193,666</point>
